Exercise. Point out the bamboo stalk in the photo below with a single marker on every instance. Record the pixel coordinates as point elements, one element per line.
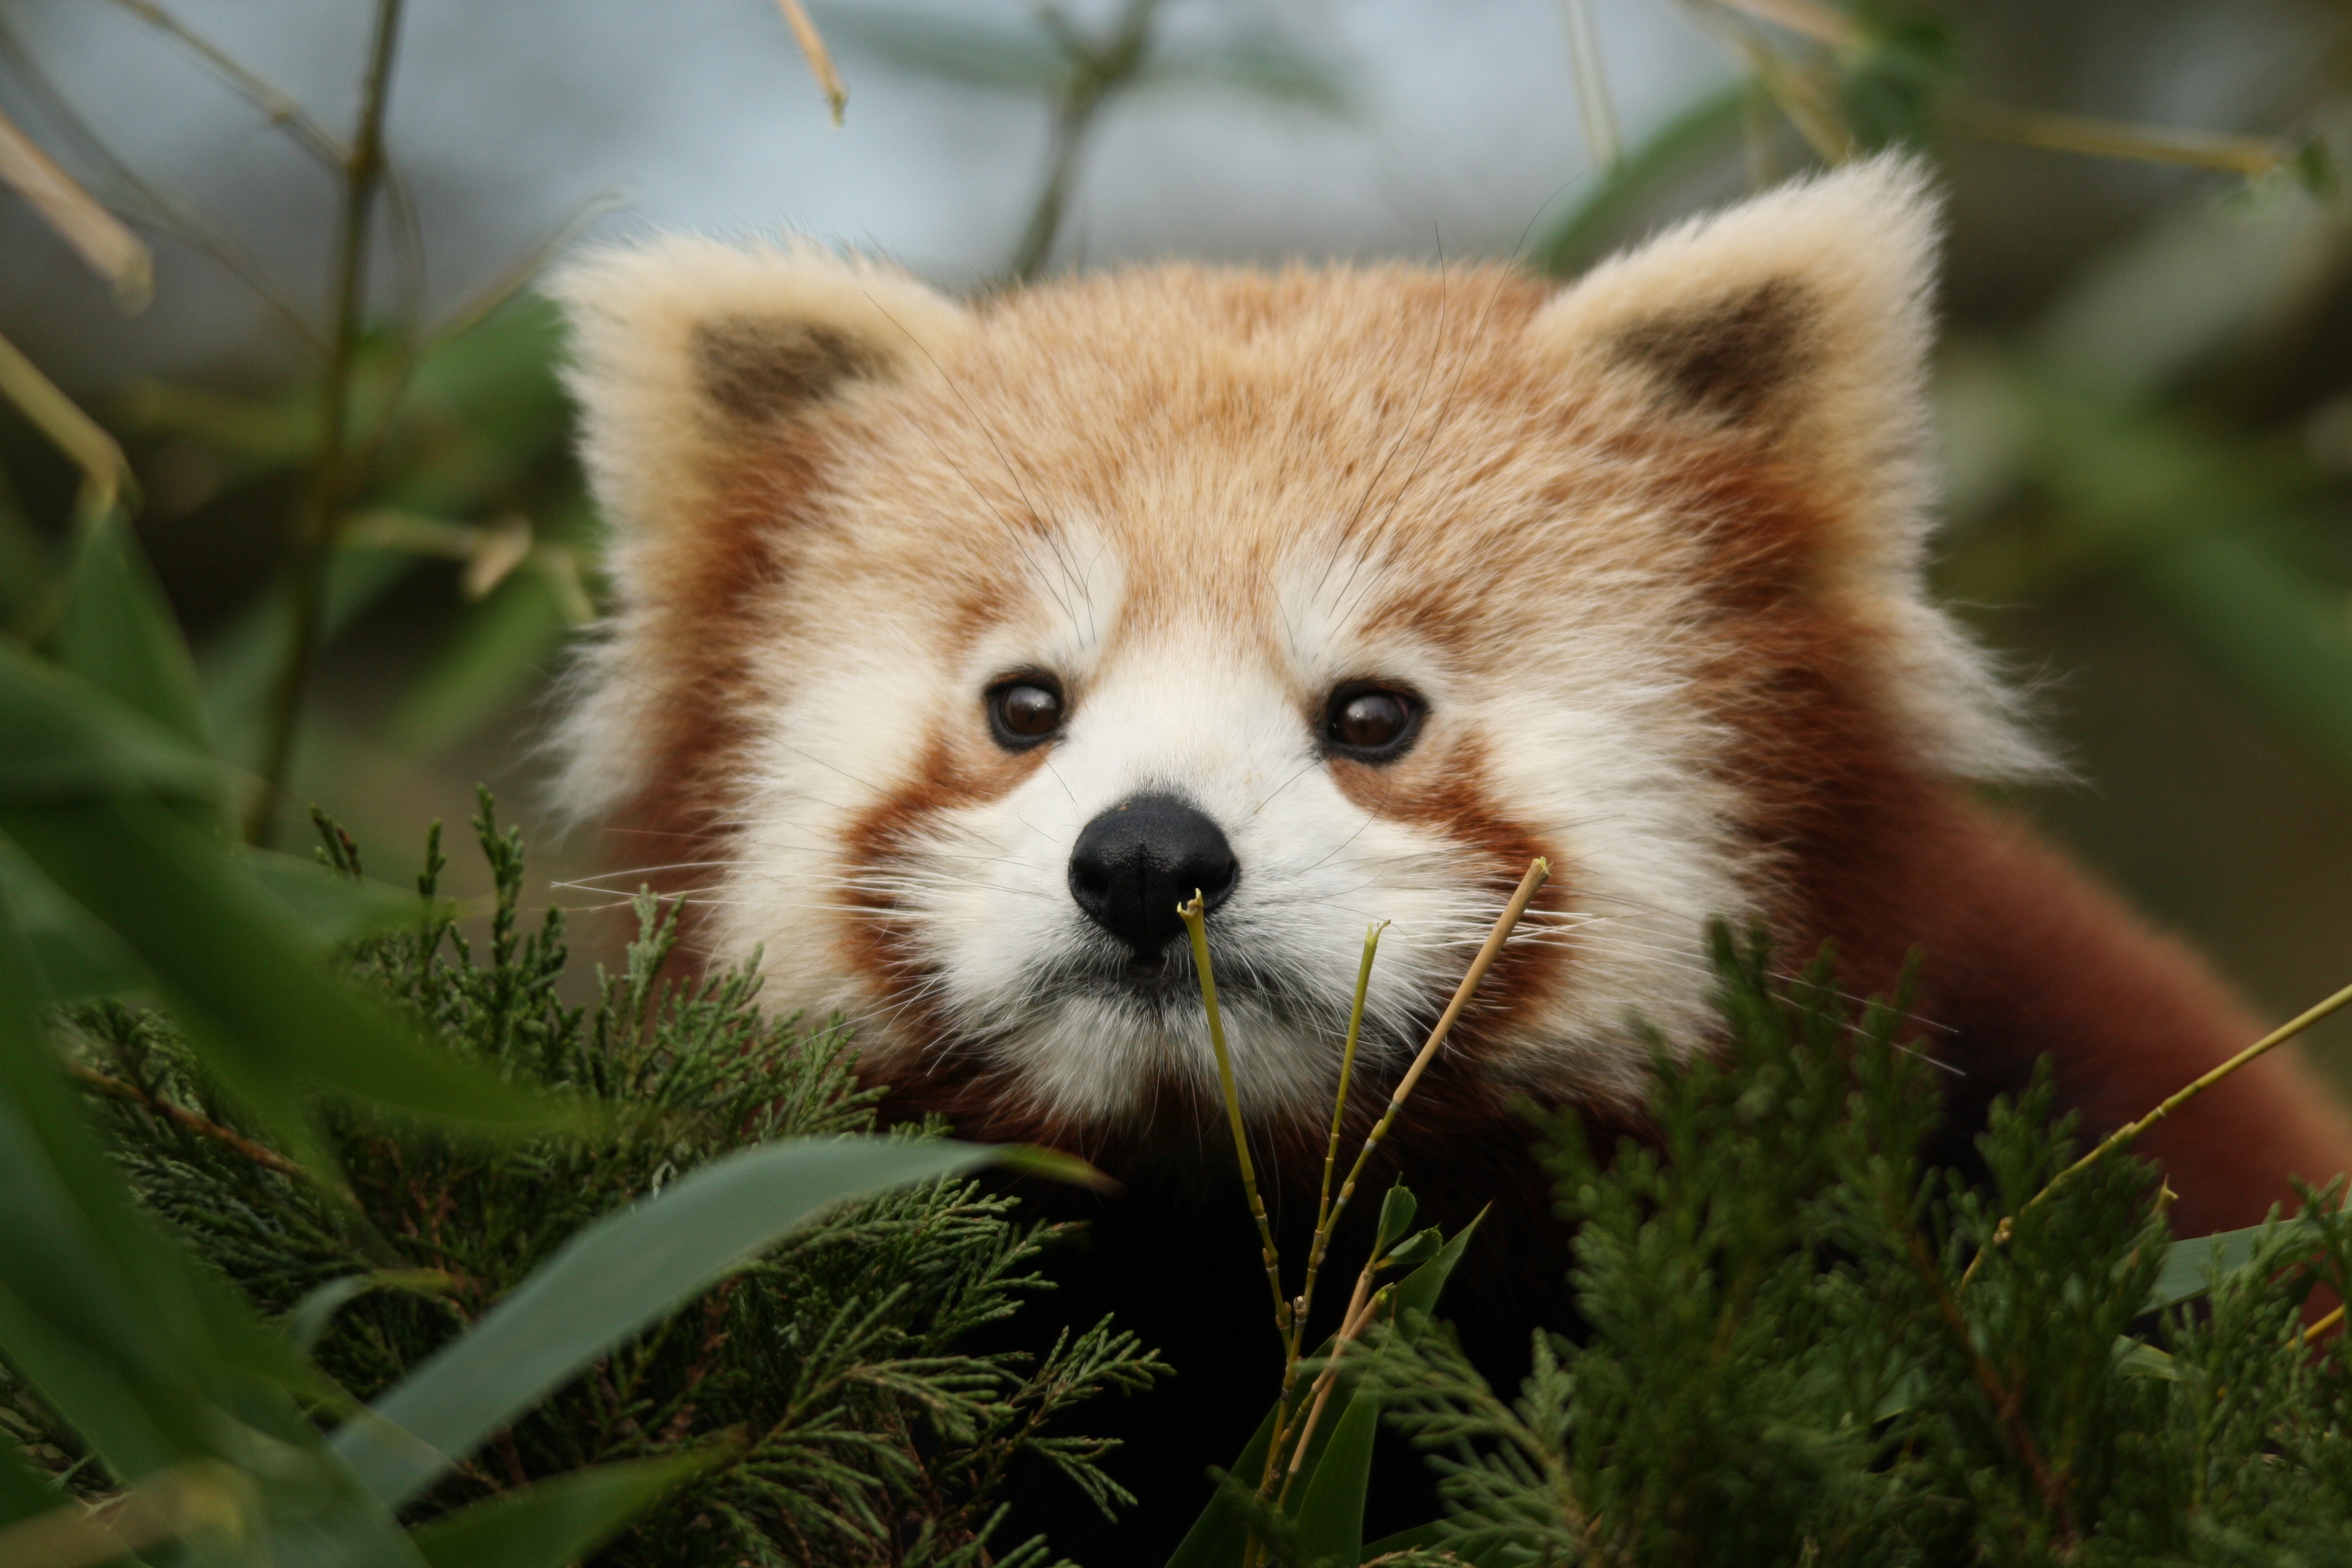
<point>1196,923</point>
<point>332,486</point>
<point>2123,1137</point>
<point>1538,869</point>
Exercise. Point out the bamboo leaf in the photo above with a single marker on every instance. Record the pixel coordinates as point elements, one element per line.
<point>1331,1516</point>
<point>1616,197</point>
<point>118,632</point>
<point>611,1280</point>
<point>62,739</point>
<point>248,980</point>
<point>2191,1264</point>
<point>1218,1536</point>
<point>68,955</point>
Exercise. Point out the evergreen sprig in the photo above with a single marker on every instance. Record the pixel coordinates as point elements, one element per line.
<point>1779,1364</point>
<point>846,1427</point>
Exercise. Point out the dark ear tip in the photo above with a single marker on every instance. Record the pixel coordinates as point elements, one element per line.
<point>1726,356</point>
<point>754,369</point>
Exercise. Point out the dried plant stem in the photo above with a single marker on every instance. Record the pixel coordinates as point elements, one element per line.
<point>1196,923</point>
<point>330,494</point>
<point>2249,156</point>
<point>1340,1113</point>
<point>112,251</point>
<point>1602,144</point>
<point>819,58</point>
<point>105,475</point>
<point>2123,1137</point>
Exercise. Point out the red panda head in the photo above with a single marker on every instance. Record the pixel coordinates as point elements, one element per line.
<point>954,644</point>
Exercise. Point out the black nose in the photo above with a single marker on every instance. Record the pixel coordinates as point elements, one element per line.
<point>1136,862</point>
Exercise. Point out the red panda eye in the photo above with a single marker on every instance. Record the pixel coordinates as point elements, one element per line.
<point>1023,713</point>
<point>1372,723</point>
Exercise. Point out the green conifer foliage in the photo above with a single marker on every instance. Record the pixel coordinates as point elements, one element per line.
<point>821,1381</point>
<point>1784,1362</point>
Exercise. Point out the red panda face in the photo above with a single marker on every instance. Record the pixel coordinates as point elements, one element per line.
<point>954,647</point>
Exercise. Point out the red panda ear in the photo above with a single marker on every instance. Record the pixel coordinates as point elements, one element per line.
<point>1801,316</point>
<point>1797,326</point>
<point>684,350</point>
<point>690,358</point>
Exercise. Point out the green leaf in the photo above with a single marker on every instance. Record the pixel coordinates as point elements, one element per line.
<point>139,1348</point>
<point>555,1521</point>
<point>506,647</point>
<point>309,1317</point>
<point>608,1283</point>
<point>2278,634</point>
<point>117,631</point>
<point>2136,1358</point>
<point>69,956</point>
<point>2191,1265</point>
<point>1397,1210</point>
<point>1331,1509</point>
<point>62,738</point>
<point>1217,1537</point>
<point>249,981</point>
<point>22,1494</point>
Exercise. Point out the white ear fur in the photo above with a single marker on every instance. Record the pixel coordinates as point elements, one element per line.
<point>679,343</point>
<point>685,351</point>
<point>1803,316</point>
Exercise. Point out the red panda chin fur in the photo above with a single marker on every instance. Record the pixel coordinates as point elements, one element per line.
<point>1648,550</point>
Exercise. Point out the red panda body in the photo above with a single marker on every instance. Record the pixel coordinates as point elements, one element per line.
<point>954,644</point>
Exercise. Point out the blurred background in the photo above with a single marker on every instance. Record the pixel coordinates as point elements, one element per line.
<point>331,387</point>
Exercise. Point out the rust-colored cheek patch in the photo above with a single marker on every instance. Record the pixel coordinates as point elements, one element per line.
<point>1448,793</point>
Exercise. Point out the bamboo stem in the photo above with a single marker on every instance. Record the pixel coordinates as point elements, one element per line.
<point>1098,72</point>
<point>1538,869</point>
<point>331,487</point>
<point>2126,1135</point>
<point>1196,923</point>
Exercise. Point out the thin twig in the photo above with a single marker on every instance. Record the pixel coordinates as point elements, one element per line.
<point>115,1089</point>
<point>281,107</point>
<point>1538,871</point>
<point>2249,156</point>
<point>1601,143</point>
<point>1196,923</point>
<point>1098,72</point>
<point>330,492</point>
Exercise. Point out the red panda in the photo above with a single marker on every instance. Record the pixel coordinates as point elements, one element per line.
<point>954,643</point>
